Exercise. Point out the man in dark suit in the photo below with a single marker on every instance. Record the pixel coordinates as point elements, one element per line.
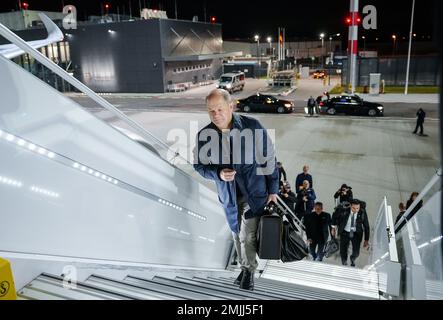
<point>301,178</point>
<point>317,225</point>
<point>421,115</point>
<point>350,226</point>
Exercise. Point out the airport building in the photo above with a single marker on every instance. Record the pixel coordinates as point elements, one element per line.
<point>153,55</point>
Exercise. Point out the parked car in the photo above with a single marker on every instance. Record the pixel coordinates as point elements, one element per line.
<point>351,105</point>
<point>234,81</point>
<point>264,103</point>
<point>319,74</point>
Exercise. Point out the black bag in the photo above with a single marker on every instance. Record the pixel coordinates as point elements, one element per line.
<point>269,235</point>
<point>332,246</point>
<point>294,248</point>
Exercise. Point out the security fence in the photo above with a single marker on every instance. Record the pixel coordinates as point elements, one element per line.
<point>424,70</point>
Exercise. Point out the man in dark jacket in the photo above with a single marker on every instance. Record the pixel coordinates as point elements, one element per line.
<point>311,106</point>
<point>305,200</point>
<point>350,226</point>
<point>281,172</point>
<point>421,115</point>
<point>344,194</point>
<point>237,153</point>
<point>288,197</point>
<point>302,177</point>
<point>318,224</point>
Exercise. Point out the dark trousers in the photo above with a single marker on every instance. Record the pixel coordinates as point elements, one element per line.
<point>344,245</point>
<point>419,125</point>
<point>320,252</point>
<point>311,110</point>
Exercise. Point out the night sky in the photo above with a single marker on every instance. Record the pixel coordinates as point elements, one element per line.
<point>242,19</point>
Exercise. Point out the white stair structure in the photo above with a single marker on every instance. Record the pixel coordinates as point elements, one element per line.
<point>98,287</point>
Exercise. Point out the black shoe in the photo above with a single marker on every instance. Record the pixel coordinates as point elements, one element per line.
<point>352,263</point>
<point>345,263</point>
<point>247,282</point>
<point>240,276</point>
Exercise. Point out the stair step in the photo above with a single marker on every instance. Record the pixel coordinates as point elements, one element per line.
<point>50,287</point>
<point>186,294</point>
<point>297,292</point>
<point>130,290</point>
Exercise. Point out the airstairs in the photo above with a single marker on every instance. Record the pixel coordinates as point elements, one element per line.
<point>72,186</point>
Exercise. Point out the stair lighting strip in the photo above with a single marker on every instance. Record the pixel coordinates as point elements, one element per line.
<point>29,146</point>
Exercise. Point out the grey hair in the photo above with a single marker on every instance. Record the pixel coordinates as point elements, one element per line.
<point>219,93</point>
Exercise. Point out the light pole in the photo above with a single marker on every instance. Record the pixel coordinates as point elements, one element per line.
<point>257,39</point>
<point>175,5</point>
<point>410,47</point>
<point>394,38</point>
<point>322,37</point>
<point>269,39</point>
<point>331,55</point>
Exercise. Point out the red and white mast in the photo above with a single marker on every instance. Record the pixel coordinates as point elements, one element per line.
<point>353,21</point>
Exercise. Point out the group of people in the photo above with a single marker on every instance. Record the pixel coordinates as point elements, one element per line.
<point>313,104</point>
<point>349,221</point>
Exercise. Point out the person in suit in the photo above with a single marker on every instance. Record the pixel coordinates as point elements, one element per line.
<point>311,106</point>
<point>351,225</point>
<point>302,177</point>
<point>421,115</point>
<point>305,200</point>
<point>318,227</point>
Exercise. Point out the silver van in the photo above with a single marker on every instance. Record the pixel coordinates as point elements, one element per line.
<point>232,82</point>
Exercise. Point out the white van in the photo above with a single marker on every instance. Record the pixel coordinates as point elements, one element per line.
<point>231,82</point>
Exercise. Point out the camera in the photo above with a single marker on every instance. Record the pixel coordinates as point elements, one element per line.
<point>271,208</point>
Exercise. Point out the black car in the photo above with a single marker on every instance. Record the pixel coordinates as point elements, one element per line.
<point>352,105</point>
<point>264,103</point>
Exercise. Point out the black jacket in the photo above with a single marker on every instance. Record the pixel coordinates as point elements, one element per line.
<point>301,208</point>
<point>317,224</point>
<point>281,172</point>
<point>290,201</point>
<point>299,181</point>
<point>340,219</point>
<point>347,197</point>
<point>421,115</point>
<point>417,207</point>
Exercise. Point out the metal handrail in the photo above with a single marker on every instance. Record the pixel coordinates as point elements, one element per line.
<point>298,223</point>
<point>19,42</point>
<point>405,217</point>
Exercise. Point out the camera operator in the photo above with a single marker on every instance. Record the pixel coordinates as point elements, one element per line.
<point>344,194</point>
<point>288,197</point>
